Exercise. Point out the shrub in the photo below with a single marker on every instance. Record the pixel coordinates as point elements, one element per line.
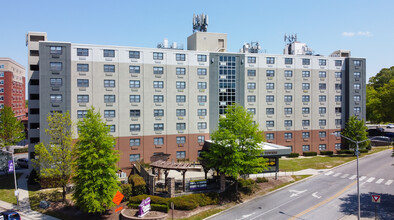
<point>33,178</point>
<point>247,186</point>
<point>294,155</point>
<point>127,191</point>
<point>55,196</point>
<point>154,207</point>
<point>327,152</point>
<point>153,199</point>
<point>307,154</point>
<point>369,147</point>
<point>21,150</point>
<point>363,150</point>
<point>182,203</point>
<point>139,185</point>
<point>261,180</point>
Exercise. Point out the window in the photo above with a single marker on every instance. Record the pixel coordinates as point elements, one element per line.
<point>305,122</point>
<point>269,98</point>
<point>158,70</point>
<point>135,98</point>
<point>180,57</point>
<point>1,66</point>
<point>180,71</point>
<point>181,140</point>
<point>252,111</point>
<point>158,112</point>
<point>288,135</point>
<point>270,111</point>
<point>305,135</point>
<point>322,134</point>
<point>134,54</point>
<point>1,74</point>
<point>180,98</point>
<point>269,136</point>
<point>251,85</point>
<point>109,83</point>
<point>288,61</point>
<point>158,84</point>
<point>201,58</point>
<point>306,74</point>
<point>338,121</point>
<point>180,85</point>
<point>134,157</point>
<point>81,113</point>
<point>109,53</point>
<point>338,98</point>
<point>135,113</point>
<point>201,112</point>
<point>55,50</point>
<point>134,142</point>
<point>82,82</point>
<point>180,126</point>
<point>201,71</point>
<point>322,122</point>
<point>158,126</point>
<point>288,98</point>
<point>270,85</point>
<point>305,148</point>
<point>306,86</point>
<point>270,73</point>
<point>111,128</point>
<point>158,141</point>
<point>322,110</point>
<point>357,75</point>
<point>322,74</point>
<point>158,98</point>
<point>134,69</point>
<point>270,123</point>
<point>337,146</point>
<point>109,68</point>
<point>56,81</point>
<point>82,67</point>
<point>288,123</point>
<point>109,98</point>
<point>357,98</point>
<point>338,75</point>
<point>181,112</point>
<point>288,73</point>
<point>357,86</point>
<point>55,66</point>
<point>82,52</point>
<point>357,62</point>
<point>306,62</point>
<point>338,62</point>
<point>322,98</point>
<point>251,98</point>
<point>251,59</point>
<point>202,98</point>
<point>270,60</point>
<point>82,98</point>
<point>201,125</point>
<point>180,154</point>
<point>251,72</point>
<point>338,110</point>
<point>109,113</point>
<point>357,110</point>
<point>288,111</point>
<point>288,85</point>
<point>134,83</point>
<point>305,98</point>
<point>1,90</point>
<point>338,86</point>
<point>322,62</point>
<point>135,127</point>
<point>322,147</point>
<point>201,139</point>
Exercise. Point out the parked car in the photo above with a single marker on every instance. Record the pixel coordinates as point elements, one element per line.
<point>22,162</point>
<point>380,141</point>
<point>390,126</point>
<point>9,215</point>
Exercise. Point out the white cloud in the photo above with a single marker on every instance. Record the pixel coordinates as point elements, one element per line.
<point>360,33</point>
<point>366,33</point>
<point>348,34</point>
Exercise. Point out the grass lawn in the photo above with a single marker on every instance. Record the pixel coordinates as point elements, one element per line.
<point>321,162</point>
<point>7,188</point>
<point>202,215</point>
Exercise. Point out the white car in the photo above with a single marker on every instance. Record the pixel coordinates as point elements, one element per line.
<point>390,126</point>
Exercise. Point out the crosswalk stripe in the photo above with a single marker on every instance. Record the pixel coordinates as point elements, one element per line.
<point>389,182</point>
<point>344,175</point>
<point>328,173</point>
<point>362,178</point>
<point>379,181</point>
<point>337,174</point>
<point>370,179</point>
<point>353,177</point>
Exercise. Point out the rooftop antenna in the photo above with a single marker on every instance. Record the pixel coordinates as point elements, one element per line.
<point>200,22</point>
<point>290,38</point>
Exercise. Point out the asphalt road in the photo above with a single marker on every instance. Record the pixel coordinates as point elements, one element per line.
<point>331,195</point>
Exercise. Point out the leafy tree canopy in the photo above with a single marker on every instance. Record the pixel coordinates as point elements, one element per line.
<point>11,129</point>
<point>355,129</point>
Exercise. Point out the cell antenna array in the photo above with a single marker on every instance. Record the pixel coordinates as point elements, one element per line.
<point>200,23</point>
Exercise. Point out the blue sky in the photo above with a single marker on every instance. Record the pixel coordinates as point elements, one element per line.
<point>364,27</point>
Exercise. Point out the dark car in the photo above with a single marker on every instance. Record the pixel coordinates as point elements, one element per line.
<point>9,215</point>
<point>380,141</point>
<point>22,162</point>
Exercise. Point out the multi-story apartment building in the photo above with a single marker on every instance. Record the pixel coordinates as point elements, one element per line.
<point>168,100</point>
<point>12,87</point>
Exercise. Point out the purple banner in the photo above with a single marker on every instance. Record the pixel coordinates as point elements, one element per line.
<point>144,207</point>
<point>10,166</point>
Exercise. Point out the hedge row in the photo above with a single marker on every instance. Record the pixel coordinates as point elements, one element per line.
<point>345,152</point>
<point>311,153</point>
<point>294,155</point>
<point>138,183</point>
<point>153,207</point>
<point>21,150</point>
<point>327,152</point>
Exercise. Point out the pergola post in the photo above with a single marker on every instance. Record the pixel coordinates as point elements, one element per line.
<point>184,180</point>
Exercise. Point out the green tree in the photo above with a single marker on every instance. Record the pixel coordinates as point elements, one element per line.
<point>356,130</point>
<point>54,159</point>
<point>383,77</point>
<point>234,149</point>
<point>95,165</point>
<point>11,129</point>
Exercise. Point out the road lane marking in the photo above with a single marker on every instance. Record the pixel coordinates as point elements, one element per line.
<point>379,181</point>
<point>344,176</point>
<point>362,178</point>
<point>353,177</point>
<point>370,179</point>
<point>328,173</point>
<point>295,192</point>
<point>316,196</point>
<point>337,174</point>
<point>323,202</point>
<point>389,182</point>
